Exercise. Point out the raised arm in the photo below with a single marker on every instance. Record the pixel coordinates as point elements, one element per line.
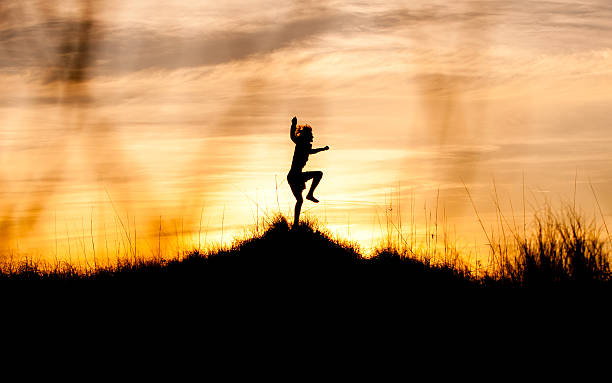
<point>292,131</point>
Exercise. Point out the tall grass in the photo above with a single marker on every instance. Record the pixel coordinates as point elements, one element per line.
<point>555,247</point>
<point>563,247</point>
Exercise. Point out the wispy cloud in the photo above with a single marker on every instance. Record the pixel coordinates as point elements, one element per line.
<point>121,49</point>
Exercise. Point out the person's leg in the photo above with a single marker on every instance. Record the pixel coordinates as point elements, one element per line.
<point>296,213</point>
<point>297,193</point>
<point>316,178</point>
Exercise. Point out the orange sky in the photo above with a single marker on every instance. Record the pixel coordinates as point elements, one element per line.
<point>180,110</point>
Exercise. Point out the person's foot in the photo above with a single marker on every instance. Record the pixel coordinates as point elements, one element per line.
<point>312,198</point>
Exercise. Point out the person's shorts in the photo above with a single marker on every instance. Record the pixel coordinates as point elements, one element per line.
<point>296,181</point>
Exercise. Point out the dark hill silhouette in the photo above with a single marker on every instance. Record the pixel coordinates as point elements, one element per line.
<point>289,261</point>
<point>282,264</point>
<point>296,277</point>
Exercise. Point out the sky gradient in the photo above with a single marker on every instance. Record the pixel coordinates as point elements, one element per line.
<point>121,117</point>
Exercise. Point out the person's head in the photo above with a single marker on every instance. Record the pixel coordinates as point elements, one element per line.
<point>304,133</point>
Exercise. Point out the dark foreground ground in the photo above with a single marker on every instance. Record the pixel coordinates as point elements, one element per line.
<point>297,286</point>
<point>302,273</point>
<point>306,258</point>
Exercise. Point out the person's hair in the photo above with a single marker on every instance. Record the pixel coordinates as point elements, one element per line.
<point>300,130</point>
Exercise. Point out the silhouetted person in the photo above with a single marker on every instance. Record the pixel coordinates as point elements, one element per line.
<point>302,137</point>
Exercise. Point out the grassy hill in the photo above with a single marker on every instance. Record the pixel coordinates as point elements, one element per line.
<point>307,260</point>
<point>304,258</point>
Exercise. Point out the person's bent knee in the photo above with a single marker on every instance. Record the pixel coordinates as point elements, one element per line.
<point>319,174</point>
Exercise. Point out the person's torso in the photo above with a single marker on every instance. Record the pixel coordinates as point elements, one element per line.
<point>300,156</point>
